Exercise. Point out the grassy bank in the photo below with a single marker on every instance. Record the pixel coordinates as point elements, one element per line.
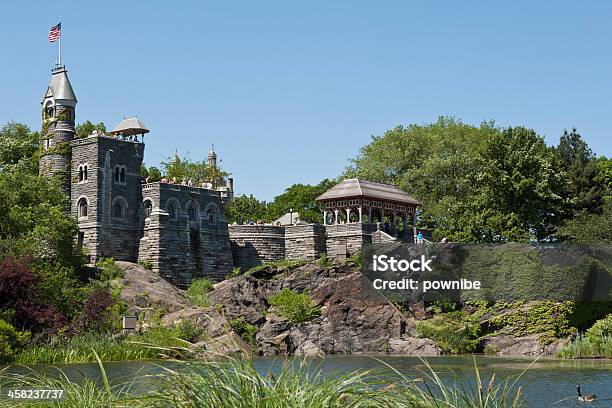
<point>239,384</point>
<point>587,347</point>
<point>158,342</point>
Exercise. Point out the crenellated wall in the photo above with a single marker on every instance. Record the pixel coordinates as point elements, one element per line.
<point>253,245</point>
<point>185,236</point>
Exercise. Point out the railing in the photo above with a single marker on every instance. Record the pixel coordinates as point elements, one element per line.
<point>181,187</point>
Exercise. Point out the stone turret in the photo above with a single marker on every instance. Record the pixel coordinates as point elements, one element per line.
<point>58,114</point>
<point>212,157</point>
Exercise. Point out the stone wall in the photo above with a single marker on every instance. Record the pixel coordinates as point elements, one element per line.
<point>354,235</point>
<point>253,245</point>
<point>101,232</point>
<point>186,235</point>
<point>304,241</point>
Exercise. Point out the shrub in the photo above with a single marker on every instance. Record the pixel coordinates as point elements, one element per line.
<point>245,330</point>
<point>97,311</point>
<point>188,331</point>
<point>235,272</point>
<point>324,261</point>
<point>293,306</point>
<point>10,340</point>
<point>148,265</point>
<point>452,332</point>
<point>197,293</point>
<point>19,292</point>
<point>600,329</point>
<point>109,269</point>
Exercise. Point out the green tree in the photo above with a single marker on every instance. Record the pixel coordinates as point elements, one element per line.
<point>584,190</point>
<point>436,163</point>
<point>246,208</point>
<point>588,228</point>
<point>519,189</point>
<point>300,198</point>
<point>198,171</point>
<point>18,147</point>
<point>86,128</point>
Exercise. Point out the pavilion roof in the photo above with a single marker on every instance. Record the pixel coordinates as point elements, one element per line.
<point>130,126</point>
<point>367,189</point>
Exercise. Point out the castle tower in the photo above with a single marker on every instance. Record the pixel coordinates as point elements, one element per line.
<point>212,157</point>
<point>58,114</point>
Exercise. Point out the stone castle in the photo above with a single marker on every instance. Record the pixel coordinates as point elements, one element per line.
<point>181,229</point>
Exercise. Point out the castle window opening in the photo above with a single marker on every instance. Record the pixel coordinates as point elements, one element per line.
<point>210,214</point>
<point>192,212</point>
<point>82,208</point>
<point>122,175</point>
<point>117,173</point>
<point>118,210</point>
<point>172,213</point>
<point>148,208</point>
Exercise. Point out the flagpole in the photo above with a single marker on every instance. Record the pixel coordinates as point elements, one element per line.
<point>59,47</point>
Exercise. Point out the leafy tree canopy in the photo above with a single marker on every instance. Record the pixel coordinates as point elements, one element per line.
<point>198,171</point>
<point>245,208</point>
<point>300,198</point>
<point>86,128</point>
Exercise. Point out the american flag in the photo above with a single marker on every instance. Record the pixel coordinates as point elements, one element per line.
<point>55,32</point>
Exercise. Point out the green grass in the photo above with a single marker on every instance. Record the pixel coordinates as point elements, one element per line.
<point>157,342</point>
<point>197,293</point>
<point>584,346</point>
<point>236,383</point>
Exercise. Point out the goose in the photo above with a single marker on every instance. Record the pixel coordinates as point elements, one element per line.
<point>585,398</point>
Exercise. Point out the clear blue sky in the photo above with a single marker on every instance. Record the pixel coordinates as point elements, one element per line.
<point>289,91</point>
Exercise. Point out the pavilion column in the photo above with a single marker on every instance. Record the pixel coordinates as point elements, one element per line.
<point>324,217</point>
<point>415,225</point>
<point>348,215</point>
<point>335,216</point>
<point>370,220</point>
<point>394,225</point>
<point>360,208</point>
<point>406,234</point>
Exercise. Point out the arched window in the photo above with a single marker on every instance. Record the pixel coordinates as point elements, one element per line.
<point>192,212</point>
<point>82,207</point>
<point>119,209</point>
<point>172,212</point>
<point>122,175</point>
<point>117,173</point>
<point>82,173</point>
<point>210,215</point>
<point>148,207</point>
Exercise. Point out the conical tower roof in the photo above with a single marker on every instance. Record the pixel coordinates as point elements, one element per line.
<point>60,88</point>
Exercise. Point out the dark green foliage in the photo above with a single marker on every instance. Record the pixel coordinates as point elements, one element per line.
<point>86,128</point>
<point>453,332</point>
<point>588,228</point>
<point>244,208</point>
<point>293,306</point>
<point>188,331</point>
<point>109,269</point>
<point>245,330</point>
<point>584,192</point>
<point>300,198</point>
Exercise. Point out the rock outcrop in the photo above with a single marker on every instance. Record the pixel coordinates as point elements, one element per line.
<point>354,317</point>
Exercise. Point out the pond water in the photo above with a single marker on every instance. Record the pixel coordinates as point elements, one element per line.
<point>547,383</point>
